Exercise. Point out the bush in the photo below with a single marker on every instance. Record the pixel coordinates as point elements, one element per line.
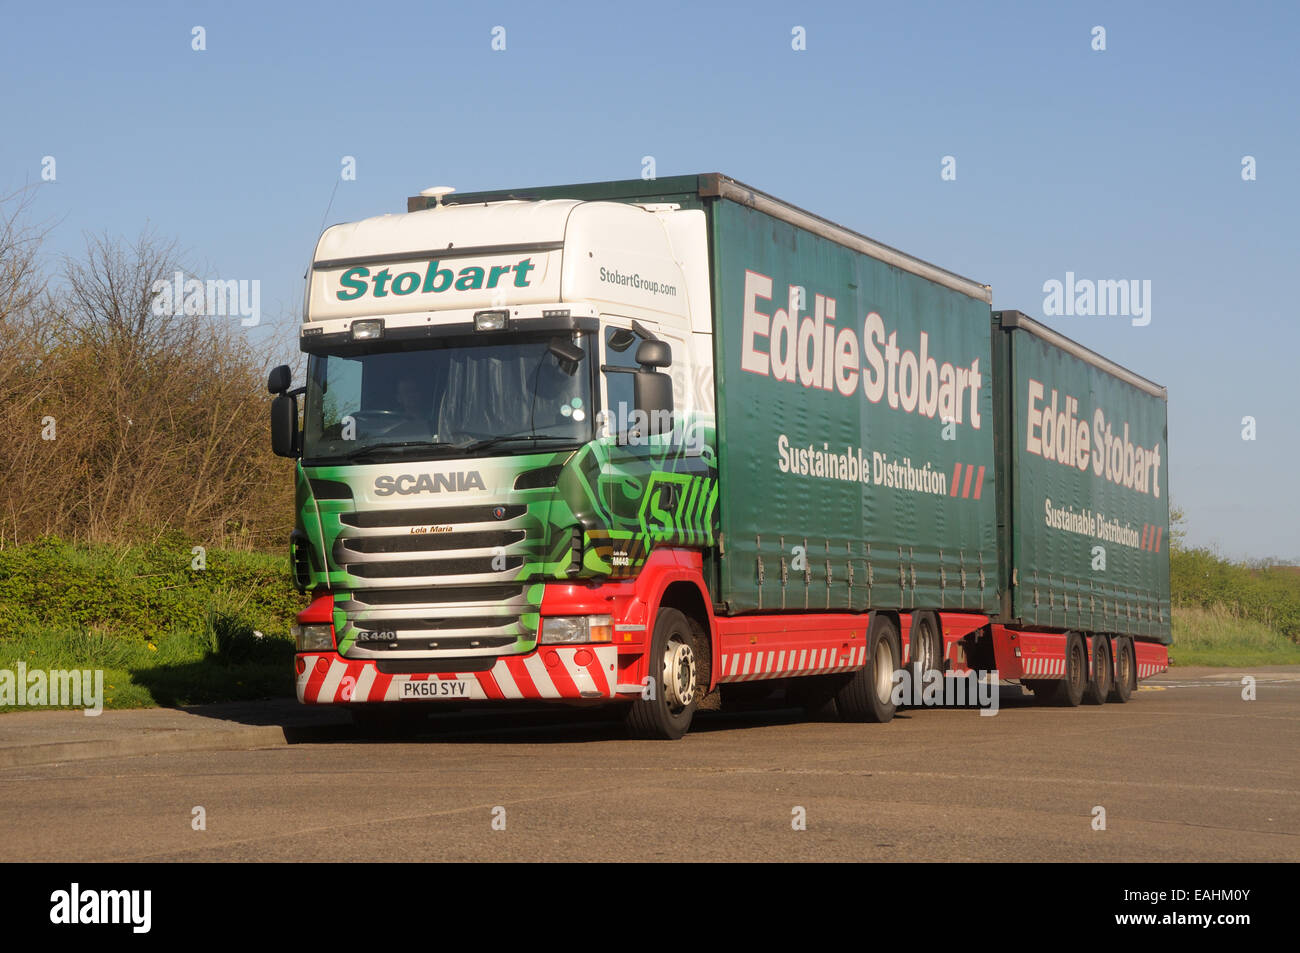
<point>1270,596</point>
<point>122,423</point>
<point>139,593</point>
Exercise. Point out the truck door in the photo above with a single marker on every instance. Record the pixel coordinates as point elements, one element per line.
<point>658,489</point>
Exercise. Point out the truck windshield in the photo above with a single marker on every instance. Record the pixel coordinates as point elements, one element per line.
<point>456,396</point>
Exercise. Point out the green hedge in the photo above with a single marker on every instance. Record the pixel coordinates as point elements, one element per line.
<point>164,633</point>
<point>1270,596</point>
<point>142,591</point>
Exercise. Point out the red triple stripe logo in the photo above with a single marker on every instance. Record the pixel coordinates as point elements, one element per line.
<point>1151,537</point>
<point>973,478</point>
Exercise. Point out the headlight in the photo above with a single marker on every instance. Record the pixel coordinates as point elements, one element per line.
<point>567,629</point>
<point>318,637</point>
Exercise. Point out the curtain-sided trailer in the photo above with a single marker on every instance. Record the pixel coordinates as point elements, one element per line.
<point>636,442</point>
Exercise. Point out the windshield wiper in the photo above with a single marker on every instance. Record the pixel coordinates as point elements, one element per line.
<point>506,438</point>
<point>464,446</point>
<point>422,445</point>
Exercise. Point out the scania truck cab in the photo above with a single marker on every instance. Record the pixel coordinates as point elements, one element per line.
<point>506,405</point>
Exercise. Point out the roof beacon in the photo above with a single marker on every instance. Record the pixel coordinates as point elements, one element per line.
<point>438,193</point>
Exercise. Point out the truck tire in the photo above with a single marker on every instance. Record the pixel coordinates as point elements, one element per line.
<point>926,653</point>
<point>675,652</point>
<point>1103,673</point>
<point>1076,671</point>
<point>867,695</point>
<point>1125,670</point>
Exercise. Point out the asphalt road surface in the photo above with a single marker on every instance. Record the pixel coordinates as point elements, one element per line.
<point>1188,771</point>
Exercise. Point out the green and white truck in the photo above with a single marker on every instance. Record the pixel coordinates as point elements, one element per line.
<point>632,442</point>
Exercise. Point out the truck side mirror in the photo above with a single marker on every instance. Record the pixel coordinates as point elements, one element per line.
<point>653,393</point>
<point>278,381</point>
<point>284,425</point>
<point>652,389</point>
<point>654,354</point>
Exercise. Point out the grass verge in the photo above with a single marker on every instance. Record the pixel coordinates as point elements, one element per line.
<point>1220,637</point>
<point>165,627</point>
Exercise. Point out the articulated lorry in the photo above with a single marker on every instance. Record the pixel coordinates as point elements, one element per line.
<point>634,443</point>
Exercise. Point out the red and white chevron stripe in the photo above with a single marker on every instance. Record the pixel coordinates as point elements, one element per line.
<point>551,672</point>
<point>1044,665</point>
<point>752,665</point>
<point>1152,659</point>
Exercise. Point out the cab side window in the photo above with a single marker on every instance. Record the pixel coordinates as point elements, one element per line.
<point>620,351</point>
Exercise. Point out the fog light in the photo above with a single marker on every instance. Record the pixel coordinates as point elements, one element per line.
<point>490,320</point>
<point>371,329</point>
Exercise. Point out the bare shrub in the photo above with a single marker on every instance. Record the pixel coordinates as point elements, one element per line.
<point>159,421</point>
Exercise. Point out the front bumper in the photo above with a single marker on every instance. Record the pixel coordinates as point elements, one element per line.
<point>551,672</point>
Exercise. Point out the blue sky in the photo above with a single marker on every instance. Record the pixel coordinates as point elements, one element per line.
<point>1123,163</point>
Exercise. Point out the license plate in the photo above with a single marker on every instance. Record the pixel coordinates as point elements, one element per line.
<point>436,688</point>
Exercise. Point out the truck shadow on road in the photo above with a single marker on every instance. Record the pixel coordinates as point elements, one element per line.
<point>554,724</point>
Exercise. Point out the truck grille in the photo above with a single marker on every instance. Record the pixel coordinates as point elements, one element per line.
<point>457,622</point>
<point>393,554</point>
<point>440,515</point>
<point>477,595</point>
<point>439,644</point>
<point>435,567</point>
<point>424,543</point>
<point>434,584</point>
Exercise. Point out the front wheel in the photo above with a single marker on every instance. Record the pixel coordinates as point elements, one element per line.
<point>668,701</point>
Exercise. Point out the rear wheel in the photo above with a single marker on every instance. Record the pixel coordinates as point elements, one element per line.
<point>667,706</point>
<point>1076,671</point>
<point>1125,670</point>
<point>1103,674</point>
<point>868,693</point>
<point>925,652</point>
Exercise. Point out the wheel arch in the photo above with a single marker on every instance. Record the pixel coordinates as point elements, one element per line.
<point>674,579</point>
